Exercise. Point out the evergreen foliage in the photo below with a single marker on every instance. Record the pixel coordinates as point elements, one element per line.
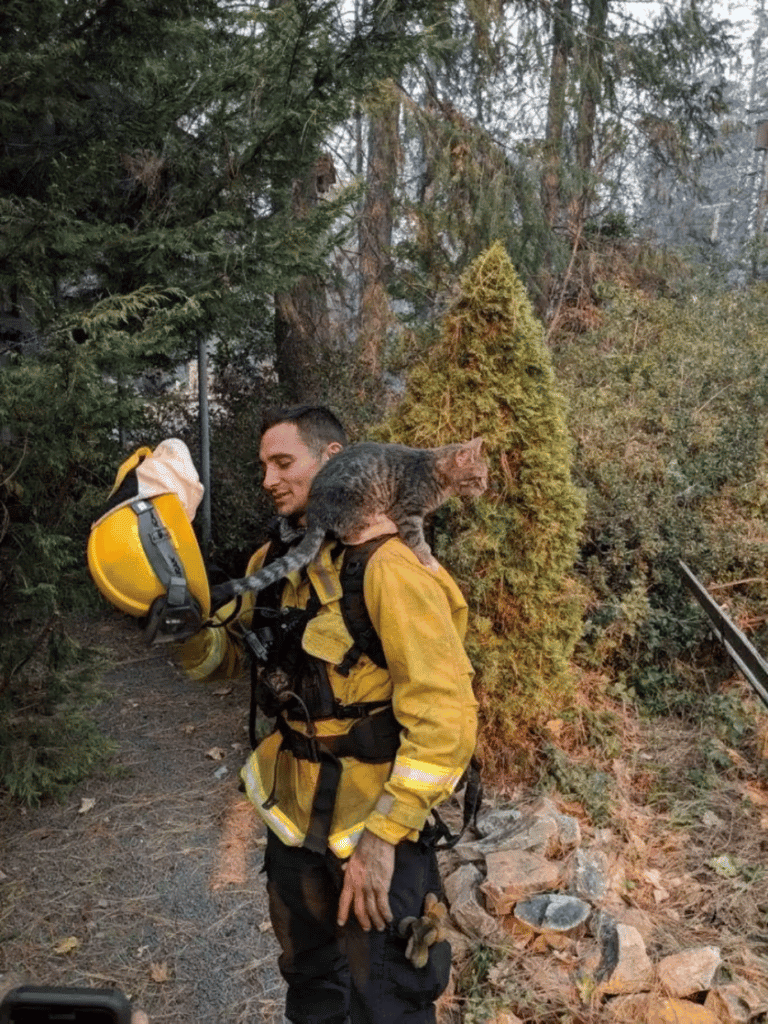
<point>473,191</point>
<point>490,374</point>
<point>147,161</point>
<point>667,399</point>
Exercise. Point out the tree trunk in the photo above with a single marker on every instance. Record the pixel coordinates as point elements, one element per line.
<point>562,44</point>
<point>375,229</point>
<point>758,157</point>
<point>302,324</point>
<point>591,90</point>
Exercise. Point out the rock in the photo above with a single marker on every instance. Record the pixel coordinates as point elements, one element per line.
<point>735,1003</point>
<point>588,872</point>
<point>540,828</point>
<point>569,830</point>
<point>625,966</point>
<point>651,1010</point>
<point>678,1011</point>
<point>690,971</point>
<point>635,917</point>
<point>604,837</point>
<point>497,819</point>
<point>514,874</point>
<point>460,882</point>
<point>603,926</point>
<point>526,833</point>
<point>461,944</point>
<point>470,917</point>
<point>553,912</point>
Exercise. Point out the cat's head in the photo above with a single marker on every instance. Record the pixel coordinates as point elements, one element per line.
<point>464,469</point>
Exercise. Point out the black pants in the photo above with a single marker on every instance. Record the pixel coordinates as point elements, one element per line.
<point>338,974</point>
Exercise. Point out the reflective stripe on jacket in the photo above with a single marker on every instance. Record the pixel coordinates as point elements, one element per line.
<point>421,618</point>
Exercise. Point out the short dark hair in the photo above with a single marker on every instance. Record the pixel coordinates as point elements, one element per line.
<point>316,424</point>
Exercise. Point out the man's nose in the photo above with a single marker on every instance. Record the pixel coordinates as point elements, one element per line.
<point>270,478</point>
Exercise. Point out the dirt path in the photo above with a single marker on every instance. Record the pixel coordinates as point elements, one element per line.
<point>147,876</point>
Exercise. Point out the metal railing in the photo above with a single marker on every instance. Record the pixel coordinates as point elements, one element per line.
<point>744,655</point>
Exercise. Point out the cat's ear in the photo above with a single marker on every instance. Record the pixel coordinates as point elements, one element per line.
<point>469,452</point>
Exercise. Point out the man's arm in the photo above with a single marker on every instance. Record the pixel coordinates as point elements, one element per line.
<point>216,652</point>
<point>420,619</point>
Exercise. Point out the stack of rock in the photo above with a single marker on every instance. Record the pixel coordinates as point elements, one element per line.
<point>530,882</point>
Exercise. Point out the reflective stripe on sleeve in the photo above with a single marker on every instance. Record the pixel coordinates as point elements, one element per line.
<point>422,776</point>
<point>343,843</point>
<point>282,826</point>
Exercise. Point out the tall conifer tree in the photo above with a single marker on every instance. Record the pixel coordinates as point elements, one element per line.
<point>490,374</point>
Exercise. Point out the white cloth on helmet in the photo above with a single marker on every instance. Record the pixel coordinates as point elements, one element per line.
<point>170,470</point>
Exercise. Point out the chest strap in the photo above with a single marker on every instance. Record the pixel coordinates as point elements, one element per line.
<point>374,739</point>
<point>365,639</point>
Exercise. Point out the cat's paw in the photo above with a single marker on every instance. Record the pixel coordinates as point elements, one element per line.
<point>430,562</point>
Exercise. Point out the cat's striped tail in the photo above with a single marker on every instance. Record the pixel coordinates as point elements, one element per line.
<point>298,556</point>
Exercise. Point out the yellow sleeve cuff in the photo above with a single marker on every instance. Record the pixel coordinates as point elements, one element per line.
<point>202,653</point>
<point>387,829</point>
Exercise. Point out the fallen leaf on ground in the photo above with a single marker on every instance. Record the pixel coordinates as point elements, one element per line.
<point>724,865</point>
<point>225,691</point>
<point>67,945</point>
<point>653,877</point>
<point>86,804</point>
<point>755,794</point>
<point>159,972</point>
<point>216,753</point>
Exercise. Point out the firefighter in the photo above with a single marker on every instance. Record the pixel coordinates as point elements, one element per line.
<point>360,754</point>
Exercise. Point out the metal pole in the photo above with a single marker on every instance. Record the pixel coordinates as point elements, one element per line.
<point>205,443</point>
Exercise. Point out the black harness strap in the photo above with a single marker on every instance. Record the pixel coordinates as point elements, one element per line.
<point>374,739</point>
<point>365,639</point>
<point>473,799</point>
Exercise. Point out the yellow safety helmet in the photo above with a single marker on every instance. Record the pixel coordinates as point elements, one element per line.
<point>143,554</point>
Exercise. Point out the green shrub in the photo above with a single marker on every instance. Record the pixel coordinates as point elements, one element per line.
<point>47,741</point>
<point>63,409</point>
<point>668,402</point>
<point>490,374</point>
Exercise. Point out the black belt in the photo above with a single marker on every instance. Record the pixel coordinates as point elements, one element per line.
<point>374,739</point>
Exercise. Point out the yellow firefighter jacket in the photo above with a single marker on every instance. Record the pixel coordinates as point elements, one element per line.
<point>421,618</point>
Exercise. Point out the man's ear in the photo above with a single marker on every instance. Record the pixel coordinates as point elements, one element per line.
<point>333,449</point>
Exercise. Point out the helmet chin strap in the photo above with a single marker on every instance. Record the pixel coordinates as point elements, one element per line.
<point>176,614</point>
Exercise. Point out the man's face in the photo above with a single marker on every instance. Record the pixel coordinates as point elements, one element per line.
<point>289,468</point>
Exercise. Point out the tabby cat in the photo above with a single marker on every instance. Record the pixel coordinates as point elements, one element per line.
<point>368,479</point>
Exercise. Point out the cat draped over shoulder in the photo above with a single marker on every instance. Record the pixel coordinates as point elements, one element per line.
<point>367,480</point>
